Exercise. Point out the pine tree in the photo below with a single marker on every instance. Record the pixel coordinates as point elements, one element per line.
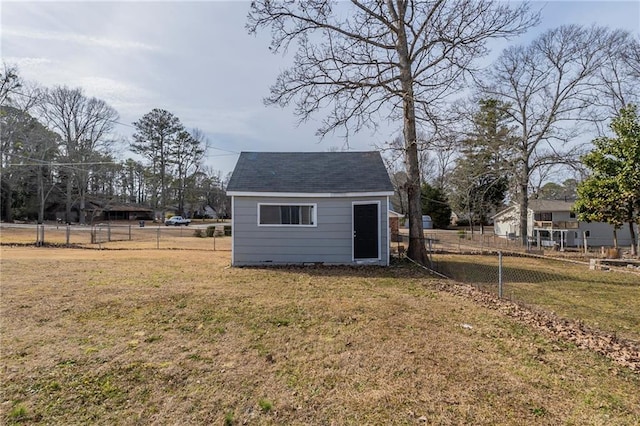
<point>480,179</point>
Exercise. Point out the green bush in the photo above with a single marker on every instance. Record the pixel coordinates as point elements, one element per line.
<point>198,233</point>
<point>227,230</point>
<point>210,230</point>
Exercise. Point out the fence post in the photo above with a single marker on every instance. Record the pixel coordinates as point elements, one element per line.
<point>109,231</point>
<point>500,275</point>
<point>129,232</point>
<point>158,238</point>
<point>39,235</point>
<point>68,234</point>
<point>584,239</point>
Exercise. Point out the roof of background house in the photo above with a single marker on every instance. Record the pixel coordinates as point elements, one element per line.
<point>541,206</point>
<point>310,172</point>
<point>551,205</point>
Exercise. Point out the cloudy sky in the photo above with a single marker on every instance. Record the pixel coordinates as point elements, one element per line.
<point>196,60</point>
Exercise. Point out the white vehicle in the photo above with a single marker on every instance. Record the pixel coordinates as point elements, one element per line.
<point>177,221</point>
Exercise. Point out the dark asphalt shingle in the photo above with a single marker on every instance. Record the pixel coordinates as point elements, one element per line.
<point>310,172</point>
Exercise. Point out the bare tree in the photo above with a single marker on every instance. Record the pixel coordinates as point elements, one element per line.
<point>25,145</point>
<point>393,161</point>
<point>85,125</point>
<point>10,82</point>
<point>548,88</point>
<point>371,60</point>
<point>618,79</point>
<point>440,155</point>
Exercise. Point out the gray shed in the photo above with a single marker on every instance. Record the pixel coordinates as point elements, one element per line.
<point>310,207</point>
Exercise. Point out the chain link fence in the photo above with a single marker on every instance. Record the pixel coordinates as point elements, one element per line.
<point>465,241</point>
<point>602,292</point>
<point>214,237</point>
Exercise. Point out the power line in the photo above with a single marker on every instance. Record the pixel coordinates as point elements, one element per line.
<point>38,162</point>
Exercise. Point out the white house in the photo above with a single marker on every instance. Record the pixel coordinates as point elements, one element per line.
<point>553,223</point>
<point>310,207</point>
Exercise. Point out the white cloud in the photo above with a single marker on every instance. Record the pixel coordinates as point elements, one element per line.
<point>26,62</point>
<point>124,97</point>
<point>111,43</point>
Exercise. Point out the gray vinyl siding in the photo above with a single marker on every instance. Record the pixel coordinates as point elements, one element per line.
<point>330,242</point>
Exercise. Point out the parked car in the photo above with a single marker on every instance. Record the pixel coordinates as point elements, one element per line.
<point>177,221</point>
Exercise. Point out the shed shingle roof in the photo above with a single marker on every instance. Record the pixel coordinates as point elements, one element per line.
<point>310,172</point>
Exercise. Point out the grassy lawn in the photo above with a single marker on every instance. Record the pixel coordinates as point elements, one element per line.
<point>606,300</point>
<point>178,337</point>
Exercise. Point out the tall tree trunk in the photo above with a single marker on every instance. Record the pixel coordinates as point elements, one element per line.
<point>524,204</point>
<point>8,202</point>
<point>634,246</point>
<point>416,250</point>
<point>615,237</point>
<point>524,212</point>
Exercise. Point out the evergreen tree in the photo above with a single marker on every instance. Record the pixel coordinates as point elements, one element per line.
<point>480,178</point>
<point>612,193</point>
<point>436,205</point>
<point>156,137</point>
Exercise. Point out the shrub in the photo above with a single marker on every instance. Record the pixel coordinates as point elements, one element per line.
<point>198,233</point>
<point>211,230</point>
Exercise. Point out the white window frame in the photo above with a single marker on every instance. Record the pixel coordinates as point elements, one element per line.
<point>314,211</point>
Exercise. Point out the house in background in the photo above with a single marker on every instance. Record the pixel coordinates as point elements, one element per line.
<point>99,210</point>
<point>310,207</point>
<point>552,223</point>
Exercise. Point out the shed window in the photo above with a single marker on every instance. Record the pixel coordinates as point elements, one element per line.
<point>272,214</point>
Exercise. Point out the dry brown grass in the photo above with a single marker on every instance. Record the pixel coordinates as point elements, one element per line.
<point>606,300</point>
<point>138,337</point>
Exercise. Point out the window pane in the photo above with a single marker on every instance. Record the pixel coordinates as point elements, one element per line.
<point>543,216</point>
<point>270,215</point>
<point>286,215</point>
<point>307,215</point>
<point>293,215</point>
